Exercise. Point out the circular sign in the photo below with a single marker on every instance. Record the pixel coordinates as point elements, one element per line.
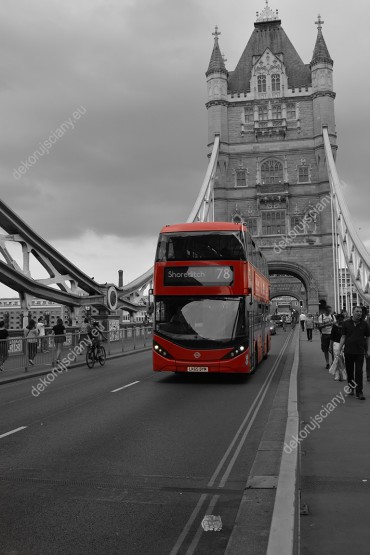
<point>112,298</point>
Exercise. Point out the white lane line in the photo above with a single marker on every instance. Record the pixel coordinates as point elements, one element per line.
<point>251,415</point>
<point>13,431</point>
<point>124,387</point>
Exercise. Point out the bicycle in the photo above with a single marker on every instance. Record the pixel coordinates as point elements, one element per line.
<point>93,356</point>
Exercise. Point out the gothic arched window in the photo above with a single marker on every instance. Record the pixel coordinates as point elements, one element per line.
<point>261,82</point>
<point>275,82</point>
<point>272,172</point>
<point>276,111</point>
<point>291,111</point>
<point>263,113</point>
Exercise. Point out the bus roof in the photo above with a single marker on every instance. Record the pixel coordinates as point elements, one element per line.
<point>203,226</point>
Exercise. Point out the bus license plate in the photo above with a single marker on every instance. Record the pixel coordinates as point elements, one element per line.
<point>197,369</point>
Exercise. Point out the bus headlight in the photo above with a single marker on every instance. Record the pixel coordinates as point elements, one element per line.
<point>240,349</point>
<point>157,348</point>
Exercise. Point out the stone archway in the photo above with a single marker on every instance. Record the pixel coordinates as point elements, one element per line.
<point>279,267</point>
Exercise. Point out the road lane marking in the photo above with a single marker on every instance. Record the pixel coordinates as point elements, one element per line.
<point>124,387</point>
<point>13,431</point>
<point>244,427</point>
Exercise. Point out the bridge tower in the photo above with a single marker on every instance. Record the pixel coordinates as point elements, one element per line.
<point>269,113</point>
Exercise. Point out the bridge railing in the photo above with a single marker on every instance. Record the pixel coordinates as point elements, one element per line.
<point>23,353</point>
<point>356,257</point>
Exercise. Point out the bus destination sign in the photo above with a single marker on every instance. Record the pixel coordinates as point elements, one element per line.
<point>199,275</point>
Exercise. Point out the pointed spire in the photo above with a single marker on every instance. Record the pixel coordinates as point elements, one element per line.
<point>320,52</point>
<point>216,62</point>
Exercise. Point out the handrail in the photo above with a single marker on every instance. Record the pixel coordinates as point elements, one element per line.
<point>355,254</point>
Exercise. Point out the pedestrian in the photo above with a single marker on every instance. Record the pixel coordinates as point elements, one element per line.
<point>367,320</point>
<point>325,325</point>
<point>316,321</point>
<point>335,335</point>
<point>355,343</point>
<point>4,345</point>
<point>302,319</point>
<point>31,334</point>
<point>283,321</point>
<point>344,314</point>
<point>59,339</point>
<point>42,337</point>
<point>85,330</point>
<point>309,326</point>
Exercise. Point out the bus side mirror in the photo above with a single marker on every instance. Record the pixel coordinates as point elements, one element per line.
<point>150,309</point>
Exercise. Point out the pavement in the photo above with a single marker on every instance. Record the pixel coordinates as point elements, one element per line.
<point>334,441</point>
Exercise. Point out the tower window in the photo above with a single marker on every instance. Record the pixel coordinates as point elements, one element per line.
<point>241,178</point>
<point>275,82</point>
<point>303,174</point>
<point>272,172</point>
<point>273,222</point>
<point>262,113</point>
<point>276,111</point>
<point>296,224</point>
<point>261,82</point>
<point>248,114</point>
<point>291,111</point>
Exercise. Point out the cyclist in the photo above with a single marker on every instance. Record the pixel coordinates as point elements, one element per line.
<point>96,334</point>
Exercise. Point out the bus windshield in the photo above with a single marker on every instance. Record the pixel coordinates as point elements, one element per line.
<point>223,245</point>
<point>208,323</point>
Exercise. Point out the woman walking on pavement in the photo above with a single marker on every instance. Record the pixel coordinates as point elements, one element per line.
<point>59,339</point>
<point>335,335</point>
<point>309,326</point>
<point>31,334</point>
<point>4,345</point>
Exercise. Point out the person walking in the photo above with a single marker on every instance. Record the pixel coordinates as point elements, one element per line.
<point>309,326</point>
<point>31,334</point>
<point>59,339</point>
<point>283,321</point>
<point>367,357</point>
<point>355,343</point>
<point>302,319</point>
<point>42,337</point>
<point>325,325</point>
<point>4,345</point>
<point>335,335</point>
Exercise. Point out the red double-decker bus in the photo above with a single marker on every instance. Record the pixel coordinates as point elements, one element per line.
<point>211,299</point>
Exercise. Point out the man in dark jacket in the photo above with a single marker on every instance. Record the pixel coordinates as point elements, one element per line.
<point>355,340</point>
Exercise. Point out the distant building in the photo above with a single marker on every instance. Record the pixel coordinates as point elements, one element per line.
<point>11,313</point>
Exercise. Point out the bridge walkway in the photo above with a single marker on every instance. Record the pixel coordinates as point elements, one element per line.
<point>335,460</point>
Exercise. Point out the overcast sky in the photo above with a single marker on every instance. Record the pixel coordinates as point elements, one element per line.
<point>112,93</point>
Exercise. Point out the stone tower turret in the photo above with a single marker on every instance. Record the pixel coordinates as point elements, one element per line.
<point>217,94</point>
<point>322,96</point>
